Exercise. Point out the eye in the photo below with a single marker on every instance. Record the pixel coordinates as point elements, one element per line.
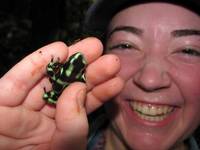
<point>121,46</point>
<point>191,51</point>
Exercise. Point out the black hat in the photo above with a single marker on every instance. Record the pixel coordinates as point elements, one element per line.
<point>100,13</point>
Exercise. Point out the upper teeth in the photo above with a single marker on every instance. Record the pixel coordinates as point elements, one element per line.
<point>150,109</point>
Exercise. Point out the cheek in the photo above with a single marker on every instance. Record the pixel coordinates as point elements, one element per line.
<point>188,82</point>
<point>129,65</point>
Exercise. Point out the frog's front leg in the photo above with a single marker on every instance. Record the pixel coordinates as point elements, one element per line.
<point>53,69</point>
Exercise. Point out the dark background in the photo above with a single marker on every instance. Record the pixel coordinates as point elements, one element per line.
<point>26,25</point>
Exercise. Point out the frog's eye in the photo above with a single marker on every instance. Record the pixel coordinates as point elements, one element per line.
<point>53,67</point>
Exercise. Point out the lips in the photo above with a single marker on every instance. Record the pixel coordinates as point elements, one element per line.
<point>151,112</point>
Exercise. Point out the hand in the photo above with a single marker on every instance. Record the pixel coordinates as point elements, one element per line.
<point>27,122</point>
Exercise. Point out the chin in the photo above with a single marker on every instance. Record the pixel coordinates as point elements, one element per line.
<point>143,134</point>
<point>148,144</point>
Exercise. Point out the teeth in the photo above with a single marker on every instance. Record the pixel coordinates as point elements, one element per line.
<point>151,112</point>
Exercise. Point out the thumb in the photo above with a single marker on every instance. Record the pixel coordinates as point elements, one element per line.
<point>71,119</point>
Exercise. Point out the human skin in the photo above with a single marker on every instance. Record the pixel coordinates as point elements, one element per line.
<point>27,122</point>
<point>160,64</point>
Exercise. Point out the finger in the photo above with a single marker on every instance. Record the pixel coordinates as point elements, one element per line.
<point>8,143</point>
<point>11,143</point>
<point>97,73</point>
<point>70,105</point>
<point>24,75</point>
<point>102,93</point>
<point>34,100</point>
<point>71,118</point>
<point>49,111</point>
<point>91,48</point>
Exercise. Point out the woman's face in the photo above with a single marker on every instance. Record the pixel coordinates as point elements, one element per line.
<point>159,48</point>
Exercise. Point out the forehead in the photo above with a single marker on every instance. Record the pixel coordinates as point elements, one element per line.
<point>156,13</point>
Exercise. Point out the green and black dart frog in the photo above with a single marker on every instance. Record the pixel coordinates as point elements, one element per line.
<point>61,75</point>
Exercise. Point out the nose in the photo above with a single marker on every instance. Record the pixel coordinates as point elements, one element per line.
<point>152,76</point>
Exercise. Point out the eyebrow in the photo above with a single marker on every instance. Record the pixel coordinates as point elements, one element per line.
<point>185,32</point>
<point>138,31</point>
<point>131,29</point>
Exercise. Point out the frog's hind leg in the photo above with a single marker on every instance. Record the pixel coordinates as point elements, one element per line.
<point>50,96</point>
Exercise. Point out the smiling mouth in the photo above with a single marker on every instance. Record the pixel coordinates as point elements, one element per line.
<point>151,112</point>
